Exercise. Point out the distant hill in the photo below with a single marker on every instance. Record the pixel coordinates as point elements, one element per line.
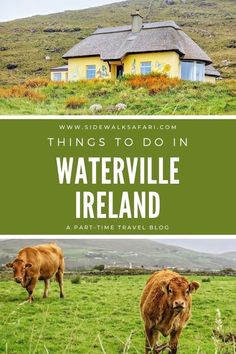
<point>147,253</point>
<point>231,255</point>
<point>37,43</point>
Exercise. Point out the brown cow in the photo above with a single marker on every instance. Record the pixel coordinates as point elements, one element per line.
<point>35,263</point>
<point>166,305</point>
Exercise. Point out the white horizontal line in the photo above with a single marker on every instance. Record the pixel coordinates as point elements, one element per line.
<point>141,117</point>
<point>118,237</point>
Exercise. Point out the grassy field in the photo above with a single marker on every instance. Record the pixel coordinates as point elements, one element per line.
<point>156,98</point>
<point>101,315</point>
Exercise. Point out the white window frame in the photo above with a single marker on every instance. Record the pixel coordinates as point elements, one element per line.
<point>194,63</point>
<point>57,76</point>
<point>89,69</point>
<point>144,66</point>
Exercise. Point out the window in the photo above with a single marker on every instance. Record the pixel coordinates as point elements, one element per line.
<point>187,70</point>
<point>146,67</point>
<point>200,71</point>
<point>56,76</point>
<point>192,70</point>
<point>91,71</point>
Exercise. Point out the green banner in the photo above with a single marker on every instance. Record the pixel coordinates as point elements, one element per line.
<point>116,176</point>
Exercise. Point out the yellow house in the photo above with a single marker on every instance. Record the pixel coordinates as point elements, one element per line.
<point>140,48</point>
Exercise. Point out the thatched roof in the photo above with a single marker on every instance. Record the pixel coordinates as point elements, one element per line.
<point>116,42</point>
<point>211,71</point>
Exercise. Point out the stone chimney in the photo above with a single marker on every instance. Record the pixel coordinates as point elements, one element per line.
<point>137,22</point>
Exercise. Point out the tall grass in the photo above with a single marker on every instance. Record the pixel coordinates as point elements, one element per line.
<point>75,102</point>
<point>155,83</point>
<point>150,94</point>
<point>223,342</point>
<point>22,91</point>
<point>37,82</point>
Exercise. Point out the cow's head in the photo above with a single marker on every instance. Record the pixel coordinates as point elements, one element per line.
<point>20,271</point>
<point>178,291</point>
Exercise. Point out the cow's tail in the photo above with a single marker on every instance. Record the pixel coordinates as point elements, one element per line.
<point>60,274</point>
<point>60,271</point>
<point>61,267</point>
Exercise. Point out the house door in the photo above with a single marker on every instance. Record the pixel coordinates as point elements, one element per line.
<point>119,71</point>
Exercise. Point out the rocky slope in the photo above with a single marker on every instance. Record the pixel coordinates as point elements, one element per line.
<point>30,46</point>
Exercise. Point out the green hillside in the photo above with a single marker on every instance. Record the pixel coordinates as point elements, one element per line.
<point>27,42</point>
<point>147,253</point>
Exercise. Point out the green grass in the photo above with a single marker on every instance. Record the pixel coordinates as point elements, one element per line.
<point>104,313</point>
<point>188,98</point>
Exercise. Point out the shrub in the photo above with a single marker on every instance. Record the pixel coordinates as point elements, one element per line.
<point>134,76</point>
<point>228,271</point>
<point>20,91</point>
<point>75,102</point>
<point>154,83</point>
<point>206,280</point>
<point>76,279</point>
<point>58,83</point>
<point>4,92</point>
<point>37,82</point>
<point>99,267</point>
<point>91,279</point>
<point>100,91</point>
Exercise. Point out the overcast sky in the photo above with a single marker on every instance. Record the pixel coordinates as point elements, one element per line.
<point>208,246</point>
<point>12,9</point>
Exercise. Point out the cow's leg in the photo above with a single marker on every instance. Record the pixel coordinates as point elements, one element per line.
<point>156,337</point>
<point>30,288</point>
<point>174,339</point>
<point>158,348</point>
<point>150,340</point>
<point>59,278</point>
<point>46,287</point>
<point>161,348</point>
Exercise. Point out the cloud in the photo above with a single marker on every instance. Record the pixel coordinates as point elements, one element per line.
<point>13,9</point>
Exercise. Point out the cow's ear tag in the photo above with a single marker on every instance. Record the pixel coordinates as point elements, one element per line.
<point>193,286</point>
<point>28,265</point>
